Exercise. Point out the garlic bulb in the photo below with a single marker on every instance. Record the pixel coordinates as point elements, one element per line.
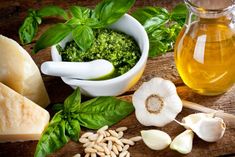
<point>183,143</point>
<point>156,102</point>
<point>155,139</point>
<point>207,127</point>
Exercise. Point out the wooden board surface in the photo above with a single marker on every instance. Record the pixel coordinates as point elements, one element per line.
<point>11,16</point>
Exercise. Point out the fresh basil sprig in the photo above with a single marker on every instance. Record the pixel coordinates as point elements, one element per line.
<point>162,26</point>
<point>92,114</point>
<point>83,21</point>
<point>29,28</point>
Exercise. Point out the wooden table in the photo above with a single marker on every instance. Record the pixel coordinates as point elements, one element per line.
<point>11,16</point>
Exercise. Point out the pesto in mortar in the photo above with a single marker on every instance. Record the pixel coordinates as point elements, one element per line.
<point>118,48</point>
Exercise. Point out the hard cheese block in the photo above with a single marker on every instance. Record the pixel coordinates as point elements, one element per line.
<point>19,72</point>
<point>20,118</point>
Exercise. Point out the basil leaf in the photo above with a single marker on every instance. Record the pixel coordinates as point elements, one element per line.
<point>53,137</point>
<point>52,36</point>
<point>101,111</point>
<point>179,14</point>
<point>109,11</point>
<point>57,107</point>
<point>72,102</point>
<point>80,12</point>
<point>155,22</point>
<point>146,13</point>
<point>73,129</point>
<point>73,22</point>
<point>28,30</point>
<point>52,11</point>
<point>83,36</point>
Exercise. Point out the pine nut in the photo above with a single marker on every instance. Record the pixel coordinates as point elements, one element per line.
<point>88,144</point>
<point>101,154</point>
<point>136,138</point>
<point>120,134</point>
<point>107,133</point>
<point>87,155</point>
<point>93,137</point>
<point>84,140</point>
<point>121,129</point>
<point>87,134</point>
<point>122,154</point>
<point>103,128</point>
<point>119,142</point>
<point>98,148</point>
<point>126,141</point>
<point>125,148</point>
<point>115,150</point>
<point>113,133</point>
<point>93,154</point>
<point>77,155</point>
<point>119,148</point>
<point>113,154</point>
<point>100,138</point>
<point>90,150</point>
<point>106,150</point>
<point>128,154</point>
<point>110,145</point>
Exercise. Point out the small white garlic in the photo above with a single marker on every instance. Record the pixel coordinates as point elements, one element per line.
<point>207,127</point>
<point>183,143</point>
<point>156,102</point>
<point>155,139</point>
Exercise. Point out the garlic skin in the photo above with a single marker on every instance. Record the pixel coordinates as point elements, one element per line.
<point>156,139</point>
<point>207,127</point>
<point>156,102</point>
<point>183,143</point>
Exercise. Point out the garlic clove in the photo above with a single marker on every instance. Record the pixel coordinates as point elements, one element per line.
<point>155,139</point>
<point>183,143</point>
<point>210,129</point>
<point>156,102</point>
<point>192,119</point>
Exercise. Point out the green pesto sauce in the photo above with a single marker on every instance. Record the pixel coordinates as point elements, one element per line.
<point>118,48</point>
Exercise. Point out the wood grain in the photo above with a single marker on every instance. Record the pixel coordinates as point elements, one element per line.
<point>11,16</point>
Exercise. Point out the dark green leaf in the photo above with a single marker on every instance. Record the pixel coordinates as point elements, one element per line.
<point>157,48</point>
<point>80,12</point>
<point>146,13</point>
<point>101,111</point>
<point>28,30</point>
<point>53,137</point>
<point>155,22</point>
<point>72,129</point>
<point>72,102</point>
<point>52,11</point>
<point>179,14</point>
<point>83,36</point>
<point>109,11</point>
<point>52,36</point>
<point>57,107</point>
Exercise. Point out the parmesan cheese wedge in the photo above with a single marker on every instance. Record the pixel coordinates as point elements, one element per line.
<point>19,72</point>
<point>20,118</point>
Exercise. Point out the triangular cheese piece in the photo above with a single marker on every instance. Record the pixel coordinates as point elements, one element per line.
<point>19,72</point>
<point>20,118</point>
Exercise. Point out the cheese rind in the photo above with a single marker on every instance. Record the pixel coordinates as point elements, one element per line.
<point>19,72</point>
<point>20,118</point>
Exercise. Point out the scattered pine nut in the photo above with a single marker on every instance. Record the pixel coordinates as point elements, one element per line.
<point>126,141</point>
<point>113,154</point>
<point>93,154</point>
<point>107,133</point>
<point>87,155</point>
<point>93,137</point>
<point>100,138</point>
<point>136,138</point>
<point>77,155</point>
<point>90,150</point>
<point>121,129</point>
<point>98,148</point>
<point>115,150</point>
<point>101,154</point>
<point>119,148</point>
<point>128,154</point>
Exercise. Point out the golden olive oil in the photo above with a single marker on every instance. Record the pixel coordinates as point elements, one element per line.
<point>205,56</point>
